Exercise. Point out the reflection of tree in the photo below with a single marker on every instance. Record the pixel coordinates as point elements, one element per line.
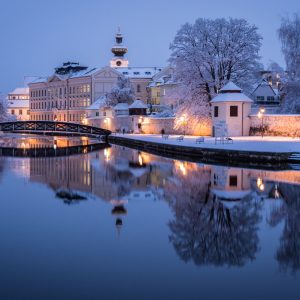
<point>207,232</point>
<point>2,162</point>
<point>288,254</point>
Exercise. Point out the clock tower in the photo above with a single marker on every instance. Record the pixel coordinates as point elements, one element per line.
<point>119,60</point>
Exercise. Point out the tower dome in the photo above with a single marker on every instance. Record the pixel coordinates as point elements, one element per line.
<point>119,51</point>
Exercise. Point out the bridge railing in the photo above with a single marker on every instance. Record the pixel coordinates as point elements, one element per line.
<point>51,126</point>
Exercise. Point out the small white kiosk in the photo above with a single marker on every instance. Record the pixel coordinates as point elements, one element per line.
<point>230,112</point>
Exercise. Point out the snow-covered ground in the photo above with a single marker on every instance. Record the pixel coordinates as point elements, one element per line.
<point>252,143</point>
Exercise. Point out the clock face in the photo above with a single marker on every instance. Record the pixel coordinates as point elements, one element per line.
<point>119,63</point>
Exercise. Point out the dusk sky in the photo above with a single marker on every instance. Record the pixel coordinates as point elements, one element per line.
<point>36,36</point>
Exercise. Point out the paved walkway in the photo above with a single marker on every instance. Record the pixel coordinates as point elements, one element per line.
<point>253,143</point>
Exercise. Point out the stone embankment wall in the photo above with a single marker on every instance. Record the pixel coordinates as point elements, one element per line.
<point>155,126</point>
<point>275,125</point>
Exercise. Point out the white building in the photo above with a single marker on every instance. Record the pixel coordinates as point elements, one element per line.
<point>18,104</point>
<point>230,112</point>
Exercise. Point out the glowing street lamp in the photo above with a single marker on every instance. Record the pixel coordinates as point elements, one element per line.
<point>106,123</point>
<point>260,115</point>
<point>183,122</point>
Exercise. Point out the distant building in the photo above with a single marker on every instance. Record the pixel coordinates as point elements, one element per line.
<point>72,89</point>
<point>265,94</point>
<point>163,90</point>
<point>18,104</point>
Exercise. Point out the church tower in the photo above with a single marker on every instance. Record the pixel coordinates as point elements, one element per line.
<point>119,51</point>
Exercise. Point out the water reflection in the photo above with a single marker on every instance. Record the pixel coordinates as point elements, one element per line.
<point>217,212</point>
<point>207,228</point>
<point>288,212</point>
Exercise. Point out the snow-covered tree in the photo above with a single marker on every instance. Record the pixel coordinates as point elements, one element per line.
<point>123,92</point>
<point>193,114</point>
<point>203,229</point>
<point>209,53</point>
<point>205,56</point>
<point>3,108</point>
<point>289,35</point>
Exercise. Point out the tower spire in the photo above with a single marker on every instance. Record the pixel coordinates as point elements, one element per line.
<point>119,51</point>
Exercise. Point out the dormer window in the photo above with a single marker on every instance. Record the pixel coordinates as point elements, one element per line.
<point>136,73</point>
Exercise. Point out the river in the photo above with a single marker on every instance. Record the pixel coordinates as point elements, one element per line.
<point>122,224</point>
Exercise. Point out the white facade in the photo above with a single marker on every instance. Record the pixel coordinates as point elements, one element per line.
<point>230,112</point>
<point>18,104</point>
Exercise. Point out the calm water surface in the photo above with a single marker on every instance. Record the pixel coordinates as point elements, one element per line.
<point>123,224</point>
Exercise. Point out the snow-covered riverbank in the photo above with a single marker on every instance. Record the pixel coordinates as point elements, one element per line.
<point>253,143</point>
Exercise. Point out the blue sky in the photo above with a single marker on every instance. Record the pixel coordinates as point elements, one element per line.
<point>36,36</point>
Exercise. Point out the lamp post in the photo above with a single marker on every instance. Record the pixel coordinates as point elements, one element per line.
<point>260,115</point>
<point>183,121</point>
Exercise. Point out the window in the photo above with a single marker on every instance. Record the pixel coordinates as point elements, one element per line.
<point>136,73</point>
<point>12,111</point>
<point>97,113</point>
<point>233,111</point>
<point>148,73</point>
<point>233,180</point>
<point>270,98</point>
<point>138,88</point>
<point>28,112</point>
<point>216,111</point>
<point>260,98</point>
<point>20,112</point>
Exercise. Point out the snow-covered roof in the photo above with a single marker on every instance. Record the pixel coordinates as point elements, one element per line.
<point>139,72</point>
<point>98,103</point>
<point>17,103</point>
<point>230,86</point>
<point>265,83</point>
<point>82,73</point>
<point>20,91</point>
<point>121,106</point>
<point>231,93</point>
<point>138,104</point>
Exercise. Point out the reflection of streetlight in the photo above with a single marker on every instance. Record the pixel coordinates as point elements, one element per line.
<point>140,159</point>
<point>260,115</point>
<point>107,154</point>
<point>260,184</point>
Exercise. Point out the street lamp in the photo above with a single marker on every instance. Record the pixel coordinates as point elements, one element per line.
<point>260,115</point>
<point>183,121</point>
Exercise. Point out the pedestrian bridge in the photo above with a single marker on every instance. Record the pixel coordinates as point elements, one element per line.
<point>43,127</point>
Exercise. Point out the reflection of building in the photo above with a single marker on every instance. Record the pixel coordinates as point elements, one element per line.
<point>230,183</point>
